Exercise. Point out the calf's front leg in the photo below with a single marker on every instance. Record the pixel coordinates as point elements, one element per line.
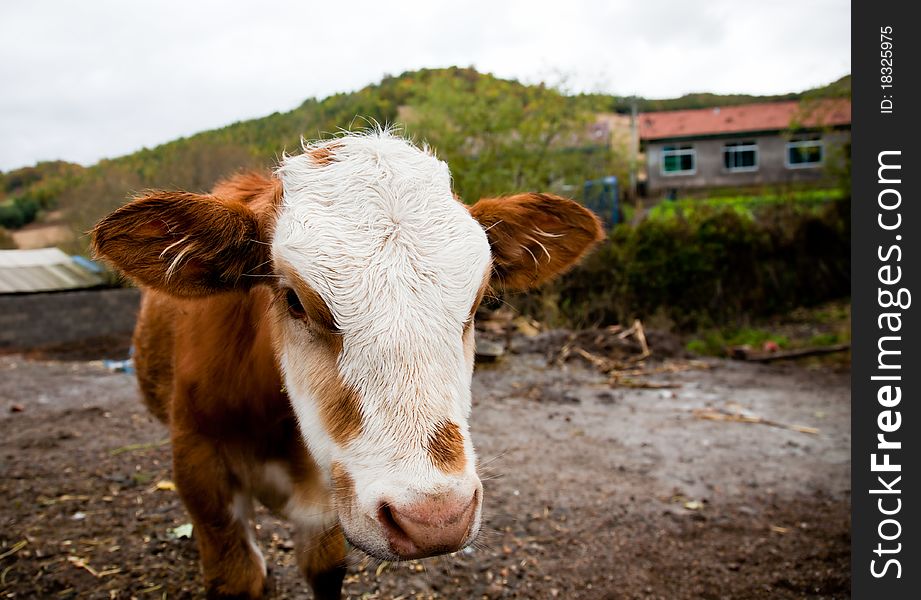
<point>321,559</point>
<point>232,564</point>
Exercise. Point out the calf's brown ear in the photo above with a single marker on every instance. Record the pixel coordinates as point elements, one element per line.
<point>535,237</point>
<point>183,244</point>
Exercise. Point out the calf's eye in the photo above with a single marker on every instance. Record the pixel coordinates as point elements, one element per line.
<point>295,308</point>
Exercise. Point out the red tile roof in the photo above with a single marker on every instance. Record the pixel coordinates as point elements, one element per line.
<point>769,116</point>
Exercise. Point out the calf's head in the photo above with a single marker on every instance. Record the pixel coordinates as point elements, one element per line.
<point>377,272</point>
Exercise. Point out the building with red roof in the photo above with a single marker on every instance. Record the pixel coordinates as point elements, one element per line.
<point>735,146</point>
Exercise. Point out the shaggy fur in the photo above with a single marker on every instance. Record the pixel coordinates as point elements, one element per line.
<point>308,338</point>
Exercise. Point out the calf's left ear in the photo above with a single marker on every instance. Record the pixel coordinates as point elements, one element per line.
<point>535,237</point>
<point>183,244</point>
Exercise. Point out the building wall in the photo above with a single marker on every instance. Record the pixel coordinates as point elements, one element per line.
<point>36,320</point>
<point>712,173</point>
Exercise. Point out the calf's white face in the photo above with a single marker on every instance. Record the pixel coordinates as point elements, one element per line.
<point>387,267</point>
<point>377,270</point>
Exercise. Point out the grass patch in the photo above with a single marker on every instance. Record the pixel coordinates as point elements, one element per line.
<point>825,325</point>
<point>747,205</point>
<point>824,339</point>
<point>716,342</point>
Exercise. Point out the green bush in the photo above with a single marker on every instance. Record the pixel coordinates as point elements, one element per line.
<point>32,192</point>
<point>18,212</point>
<point>804,200</point>
<point>713,265</point>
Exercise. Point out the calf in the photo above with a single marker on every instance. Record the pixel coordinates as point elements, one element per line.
<point>308,339</point>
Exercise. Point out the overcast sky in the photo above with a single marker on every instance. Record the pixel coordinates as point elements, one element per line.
<point>85,80</point>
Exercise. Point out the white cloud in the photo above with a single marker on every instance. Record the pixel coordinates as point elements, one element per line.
<point>98,79</point>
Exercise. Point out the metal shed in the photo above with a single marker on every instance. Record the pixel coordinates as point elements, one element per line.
<point>45,270</point>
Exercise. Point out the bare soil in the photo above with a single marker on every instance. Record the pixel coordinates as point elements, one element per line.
<point>42,235</point>
<point>590,491</point>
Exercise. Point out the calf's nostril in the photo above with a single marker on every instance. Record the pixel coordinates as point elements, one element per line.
<point>401,542</point>
<point>385,516</point>
<point>430,527</point>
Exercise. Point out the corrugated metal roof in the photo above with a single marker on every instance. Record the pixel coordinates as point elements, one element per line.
<point>768,116</point>
<point>43,270</point>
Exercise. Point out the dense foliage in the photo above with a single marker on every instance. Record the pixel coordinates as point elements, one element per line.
<point>713,264</point>
<point>27,191</point>
<point>837,89</point>
<point>693,262</point>
<point>499,136</point>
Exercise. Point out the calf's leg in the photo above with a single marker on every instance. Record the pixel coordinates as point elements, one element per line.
<point>321,559</point>
<point>232,564</point>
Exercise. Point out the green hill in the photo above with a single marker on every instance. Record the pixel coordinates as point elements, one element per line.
<point>837,89</point>
<point>26,192</point>
<point>498,135</point>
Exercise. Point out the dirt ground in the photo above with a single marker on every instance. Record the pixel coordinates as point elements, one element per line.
<point>591,491</point>
<point>50,232</point>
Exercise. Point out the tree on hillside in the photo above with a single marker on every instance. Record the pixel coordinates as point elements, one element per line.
<point>501,137</point>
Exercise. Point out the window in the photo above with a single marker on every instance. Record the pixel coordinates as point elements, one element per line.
<point>739,157</point>
<point>804,153</point>
<point>679,160</point>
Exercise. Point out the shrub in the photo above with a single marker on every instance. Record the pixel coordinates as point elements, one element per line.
<point>712,265</point>
<point>18,212</point>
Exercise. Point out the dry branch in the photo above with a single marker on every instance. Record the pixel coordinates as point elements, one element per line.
<point>742,353</point>
<point>719,414</point>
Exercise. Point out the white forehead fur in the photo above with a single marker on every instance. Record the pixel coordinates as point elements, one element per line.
<point>376,232</point>
<point>379,218</point>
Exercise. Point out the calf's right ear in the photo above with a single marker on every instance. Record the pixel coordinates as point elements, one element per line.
<point>535,237</point>
<point>184,244</point>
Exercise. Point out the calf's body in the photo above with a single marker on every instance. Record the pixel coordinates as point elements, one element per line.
<point>207,368</point>
<point>308,339</point>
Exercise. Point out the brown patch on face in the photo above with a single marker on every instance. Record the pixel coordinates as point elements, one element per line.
<point>338,403</point>
<point>446,448</point>
<point>314,306</point>
<point>324,155</point>
<point>340,409</point>
<point>343,484</point>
